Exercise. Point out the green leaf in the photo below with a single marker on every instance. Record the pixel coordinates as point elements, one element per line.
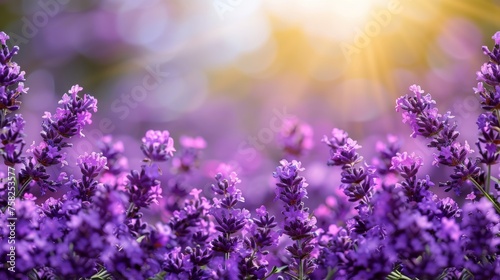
<point>103,274</point>
<point>396,275</point>
<point>140,238</point>
<point>466,275</point>
<point>275,270</point>
<point>495,179</point>
<point>279,269</point>
<point>159,276</point>
<point>33,275</point>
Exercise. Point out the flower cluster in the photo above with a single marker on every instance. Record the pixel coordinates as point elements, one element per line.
<point>384,220</point>
<point>158,145</point>
<point>357,182</point>
<point>11,89</point>
<point>298,225</point>
<point>420,113</point>
<point>69,120</point>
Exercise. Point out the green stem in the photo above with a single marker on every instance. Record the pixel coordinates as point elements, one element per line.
<point>488,179</point>
<point>130,208</point>
<point>487,195</point>
<point>226,255</point>
<point>404,277</point>
<point>301,262</point>
<point>330,274</point>
<point>23,188</point>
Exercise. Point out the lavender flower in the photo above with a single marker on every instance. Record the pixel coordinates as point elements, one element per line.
<point>342,149</point>
<point>11,77</point>
<point>407,165</point>
<point>191,230</point>
<point>158,145</point>
<point>12,138</point>
<point>479,226</point>
<point>114,173</point>
<point>90,166</point>
<point>357,183</point>
<point>494,54</point>
<point>423,117</point>
<point>11,89</point>
<point>386,151</point>
<point>262,236</point>
<point>490,71</point>
<point>190,225</point>
<point>229,218</point>
<point>298,225</point>
<point>143,187</point>
<point>419,112</point>
<point>57,129</point>
<point>70,118</point>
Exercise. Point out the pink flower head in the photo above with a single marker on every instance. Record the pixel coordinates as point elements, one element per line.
<point>193,142</point>
<point>158,145</point>
<point>3,38</point>
<point>496,38</point>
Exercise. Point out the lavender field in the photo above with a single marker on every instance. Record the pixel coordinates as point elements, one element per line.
<point>232,139</point>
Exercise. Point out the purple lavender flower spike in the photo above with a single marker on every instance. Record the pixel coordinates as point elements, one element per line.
<point>11,77</point>
<point>261,236</point>
<point>158,145</point>
<point>92,164</point>
<point>68,121</point>
<point>298,224</point>
<point>144,187</point>
<point>357,183</point>
<point>116,165</point>
<point>11,89</point>
<point>480,226</point>
<point>229,218</point>
<point>12,139</point>
<point>342,149</point>
<point>191,230</point>
<point>386,151</point>
<point>426,121</point>
<point>406,164</point>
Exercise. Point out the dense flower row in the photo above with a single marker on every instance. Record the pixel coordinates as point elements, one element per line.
<point>397,227</point>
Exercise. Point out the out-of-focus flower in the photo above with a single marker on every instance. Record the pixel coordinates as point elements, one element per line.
<point>188,158</point>
<point>295,137</point>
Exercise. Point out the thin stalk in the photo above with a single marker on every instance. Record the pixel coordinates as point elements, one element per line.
<point>330,274</point>
<point>488,179</point>
<point>404,277</point>
<point>301,262</point>
<point>226,255</point>
<point>487,195</point>
<point>23,187</point>
<point>130,208</point>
